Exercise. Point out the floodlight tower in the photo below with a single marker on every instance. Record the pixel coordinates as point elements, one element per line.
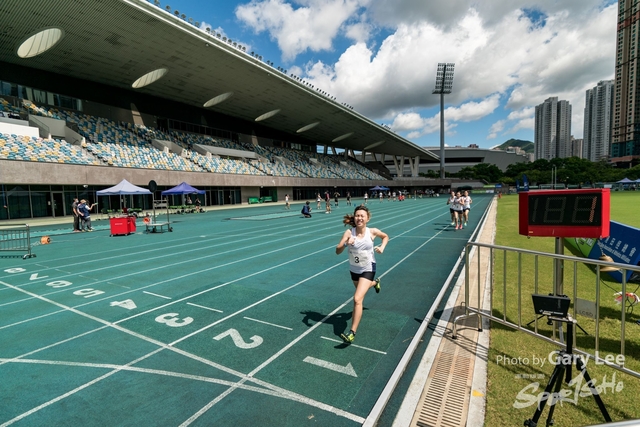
<point>444,84</point>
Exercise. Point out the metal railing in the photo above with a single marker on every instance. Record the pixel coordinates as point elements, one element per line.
<point>515,274</point>
<point>16,238</point>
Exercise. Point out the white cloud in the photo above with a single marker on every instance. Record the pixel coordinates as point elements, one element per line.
<point>496,128</point>
<point>510,55</point>
<point>312,26</point>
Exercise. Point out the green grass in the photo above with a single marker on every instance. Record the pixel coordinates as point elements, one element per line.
<point>514,360</point>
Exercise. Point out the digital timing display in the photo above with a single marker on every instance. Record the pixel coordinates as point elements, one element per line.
<point>566,209</point>
<point>565,213</point>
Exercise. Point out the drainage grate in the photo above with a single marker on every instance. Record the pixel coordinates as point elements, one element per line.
<point>445,399</point>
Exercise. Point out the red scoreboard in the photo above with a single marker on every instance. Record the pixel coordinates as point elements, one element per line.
<point>565,213</point>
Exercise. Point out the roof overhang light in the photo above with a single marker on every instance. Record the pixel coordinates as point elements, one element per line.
<point>218,99</point>
<point>149,78</point>
<point>40,42</point>
<point>341,137</point>
<point>374,145</point>
<point>265,116</point>
<point>307,127</point>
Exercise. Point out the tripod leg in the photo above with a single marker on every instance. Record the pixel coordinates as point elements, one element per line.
<point>556,379</point>
<point>554,398</point>
<point>594,391</point>
<point>535,320</point>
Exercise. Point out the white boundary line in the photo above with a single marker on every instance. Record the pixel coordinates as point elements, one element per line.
<point>267,323</point>
<point>354,345</point>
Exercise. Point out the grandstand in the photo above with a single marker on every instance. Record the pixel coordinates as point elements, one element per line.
<point>248,130</point>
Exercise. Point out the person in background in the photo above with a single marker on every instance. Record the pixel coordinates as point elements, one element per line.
<point>76,215</point>
<point>362,261</point>
<point>318,201</point>
<point>458,210</point>
<point>85,214</point>
<point>286,202</point>
<point>452,198</point>
<point>466,207</point>
<point>306,210</point>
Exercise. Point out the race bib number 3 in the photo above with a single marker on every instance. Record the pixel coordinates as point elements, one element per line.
<point>358,258</point>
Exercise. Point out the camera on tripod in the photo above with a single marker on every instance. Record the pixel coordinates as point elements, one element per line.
<point>556,308</point>
<point>551,305</point>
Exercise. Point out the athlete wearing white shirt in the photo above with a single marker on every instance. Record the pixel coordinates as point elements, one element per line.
<point>452,198</point>
<point>362,262</point>
<point>466,207</point>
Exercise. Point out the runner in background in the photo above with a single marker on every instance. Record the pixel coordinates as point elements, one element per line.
<point>466,207</point>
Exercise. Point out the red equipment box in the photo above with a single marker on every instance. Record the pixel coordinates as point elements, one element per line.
<point>122,225</point>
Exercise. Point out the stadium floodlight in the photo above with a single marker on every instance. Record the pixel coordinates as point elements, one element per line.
<point>444,84</point>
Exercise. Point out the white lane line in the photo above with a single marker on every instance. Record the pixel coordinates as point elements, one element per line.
<point>155,295</point>
<point>206,308</point>
<point>267,323</point>
<point>74,391</point>
<point>274,390</point>
<point>354,345</point>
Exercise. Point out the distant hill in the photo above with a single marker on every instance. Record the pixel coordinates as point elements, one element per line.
<point>527,146</point>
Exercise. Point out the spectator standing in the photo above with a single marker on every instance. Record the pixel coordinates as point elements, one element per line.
<point>85,213</point>
<point>76,215</point>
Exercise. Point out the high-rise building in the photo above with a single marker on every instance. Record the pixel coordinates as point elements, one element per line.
<point>552,134</point>
<point>577,147</point>
<point>598,110</point>
<point>625,146</point>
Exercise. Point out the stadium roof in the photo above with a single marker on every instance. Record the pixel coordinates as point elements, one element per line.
<point>136,43</point>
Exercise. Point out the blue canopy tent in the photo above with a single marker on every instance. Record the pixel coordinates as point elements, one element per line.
<point>625,181</point>
<point>379,188</point>
<point>182,188</point>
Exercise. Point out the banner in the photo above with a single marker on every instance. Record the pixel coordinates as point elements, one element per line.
<point>622,245</point>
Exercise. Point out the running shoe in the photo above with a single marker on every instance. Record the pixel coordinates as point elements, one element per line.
<point>377,286</point>
<point>453,223</point>
<point>465,224</point>
<point>348,338</point>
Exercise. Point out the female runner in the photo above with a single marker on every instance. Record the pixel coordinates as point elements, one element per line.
<point>362,261</point>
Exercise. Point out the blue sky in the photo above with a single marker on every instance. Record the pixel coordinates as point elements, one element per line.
<point>380,56</point>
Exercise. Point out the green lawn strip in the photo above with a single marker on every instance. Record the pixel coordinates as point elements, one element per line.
<point>517,361</point>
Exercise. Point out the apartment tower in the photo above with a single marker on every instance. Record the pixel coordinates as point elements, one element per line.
<point>598,111</point>
<point>625,146</point>
<point>552,134</point>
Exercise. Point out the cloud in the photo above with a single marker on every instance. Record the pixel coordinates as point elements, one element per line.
<point>496,128</point>
<point>312,26</point>
<point>467,112</point>
<point>509,55</point>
